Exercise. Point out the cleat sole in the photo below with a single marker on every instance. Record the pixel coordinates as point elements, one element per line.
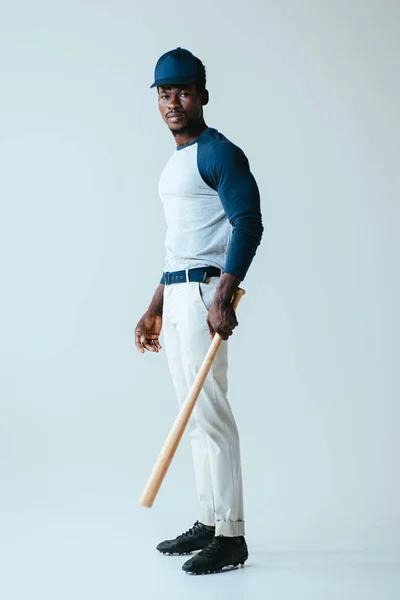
<point>225,568</point>
<point>175,553</point>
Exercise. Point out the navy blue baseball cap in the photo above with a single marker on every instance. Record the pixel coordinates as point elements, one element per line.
<point>176,66</point>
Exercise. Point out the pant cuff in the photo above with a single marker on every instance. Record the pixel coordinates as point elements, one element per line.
<point>229,528</point>
<point>207,518</point>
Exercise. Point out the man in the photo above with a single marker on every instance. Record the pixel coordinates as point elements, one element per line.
<point>212,210</point>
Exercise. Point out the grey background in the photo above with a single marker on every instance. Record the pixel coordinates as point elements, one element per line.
<point>311,92</point>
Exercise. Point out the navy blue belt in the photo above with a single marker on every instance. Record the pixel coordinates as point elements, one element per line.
<point>197,274</point>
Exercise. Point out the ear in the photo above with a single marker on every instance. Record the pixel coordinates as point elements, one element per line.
<point>206,97</point>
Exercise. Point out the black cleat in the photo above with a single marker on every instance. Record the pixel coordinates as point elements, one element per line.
<point>196,538</point>
<point>222,552</point>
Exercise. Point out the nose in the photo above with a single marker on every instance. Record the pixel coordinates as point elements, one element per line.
<point>174,102</point>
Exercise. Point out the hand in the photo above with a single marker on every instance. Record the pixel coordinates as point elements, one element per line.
<point>221,319</point>
<point>147,333</point>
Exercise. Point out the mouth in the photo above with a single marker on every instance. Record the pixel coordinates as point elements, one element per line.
<point>175,116</point>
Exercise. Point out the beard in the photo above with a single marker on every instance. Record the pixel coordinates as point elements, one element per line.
<point>177,129</point>
<point>191,127</point>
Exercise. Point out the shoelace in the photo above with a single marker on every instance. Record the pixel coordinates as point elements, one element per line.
<point>192,531</point>
<point>217,543</point>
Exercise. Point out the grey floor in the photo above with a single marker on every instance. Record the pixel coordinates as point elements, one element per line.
<point>73,552</point>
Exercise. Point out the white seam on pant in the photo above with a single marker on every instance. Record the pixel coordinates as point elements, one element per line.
<point>209,466</point>
<point>208,460</point>
<point>229,446</point>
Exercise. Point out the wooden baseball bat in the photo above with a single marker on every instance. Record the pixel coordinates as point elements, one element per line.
<point>175,435</point>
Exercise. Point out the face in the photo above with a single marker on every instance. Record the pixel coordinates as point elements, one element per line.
<point>181,106</point>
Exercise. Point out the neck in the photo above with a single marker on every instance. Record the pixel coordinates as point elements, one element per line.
<point>191,133</point>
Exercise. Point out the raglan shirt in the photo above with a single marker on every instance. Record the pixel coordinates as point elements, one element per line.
<point>211,205</point>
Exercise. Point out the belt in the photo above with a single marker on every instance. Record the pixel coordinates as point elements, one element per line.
<point>197,274</point>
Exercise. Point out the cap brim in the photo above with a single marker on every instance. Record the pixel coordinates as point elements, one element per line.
<point>176,80</point>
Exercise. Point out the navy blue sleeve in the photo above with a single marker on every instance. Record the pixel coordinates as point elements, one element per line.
<point>225,168</point>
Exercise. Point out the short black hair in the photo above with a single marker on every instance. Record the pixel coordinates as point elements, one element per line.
<point>201,80</point>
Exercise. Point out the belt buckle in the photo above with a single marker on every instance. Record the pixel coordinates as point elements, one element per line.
<point>166,278</point>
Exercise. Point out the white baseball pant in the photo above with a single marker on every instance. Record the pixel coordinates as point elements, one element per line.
<point>212,428</point>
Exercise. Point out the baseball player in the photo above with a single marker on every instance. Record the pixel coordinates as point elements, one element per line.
<point>212,210</point>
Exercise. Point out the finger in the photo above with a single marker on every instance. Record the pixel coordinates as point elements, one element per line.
<point>223,335</point>
<point>144,339</point>
<point>210,328</point>
<point>225,332</point>
<point>138,342</point>
<point>153,343</point>
<point>150,342</point>
<point>233,321</point>
<point>231,324</point>
<point>140,347</point>
<point>147,344</point>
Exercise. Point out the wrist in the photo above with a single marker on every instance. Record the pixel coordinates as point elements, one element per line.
<point>155,309</point>
<point>226,288</point>
<point>156,305</point>
<point>154,312</point>
<point>221,299</point>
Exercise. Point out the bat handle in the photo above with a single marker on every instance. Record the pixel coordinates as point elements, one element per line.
<point>240,292</point>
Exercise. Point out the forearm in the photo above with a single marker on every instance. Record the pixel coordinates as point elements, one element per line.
<point>157,303</point>
<point>246,237</point>
<point>241,252</point>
